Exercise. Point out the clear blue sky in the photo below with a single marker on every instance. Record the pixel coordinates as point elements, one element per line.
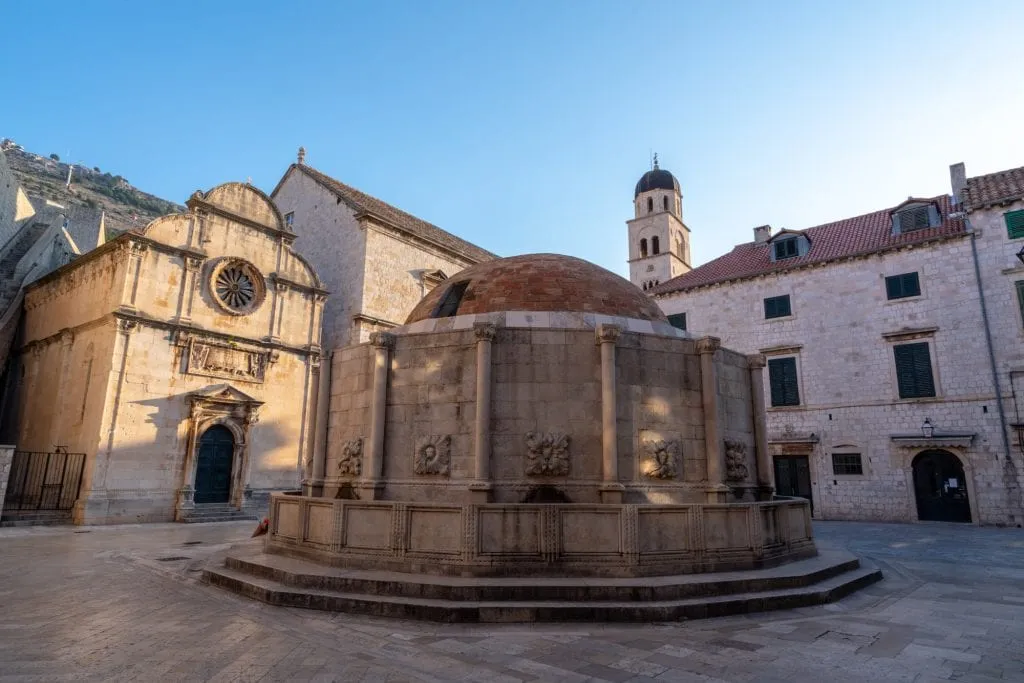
<point>523,125</point>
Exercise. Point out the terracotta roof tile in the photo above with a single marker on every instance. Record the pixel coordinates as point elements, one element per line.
<point>857,236</point>
<point>995,187</point>
<point>362,202</point>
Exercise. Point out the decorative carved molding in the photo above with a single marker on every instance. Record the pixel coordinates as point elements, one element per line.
<point>547,454</point>
<point>127,325</point>
<point>484,331</point>
<point>382,340</point>
<point>736,461</point>
<point>433,454</point>
<point>351,462</point>
<point>708,344</point>
<point>608,334</point>
<point>217,360</point>
<point>662,461</point>
<point>756,361</point>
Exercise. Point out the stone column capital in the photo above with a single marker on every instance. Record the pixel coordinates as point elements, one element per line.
<point>382,340</point>
<point>756,361</point>
<point>708,345</point>
<point>608,334</point>
<point>484,331</point>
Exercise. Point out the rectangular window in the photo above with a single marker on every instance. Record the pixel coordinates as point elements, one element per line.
<point>777,307</point>
<point>914,370</point>
<point>1014,224</point>
<point>902,286</point>
<point>1020,297</point>
<point>847,463</point>
<point>914,219</point>
<point>783,381</point>
<point>677,320</point>
<point>785,248</point>
<point>289,218</point>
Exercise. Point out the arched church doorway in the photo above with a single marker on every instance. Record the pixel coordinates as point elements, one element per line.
<point>940,487</point>
<point>213,467</point>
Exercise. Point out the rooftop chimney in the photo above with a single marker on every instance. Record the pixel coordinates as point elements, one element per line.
<point>958,181</point>
<point>762,234</point>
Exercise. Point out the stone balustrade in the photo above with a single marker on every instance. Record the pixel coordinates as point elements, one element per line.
<point>539,539</point>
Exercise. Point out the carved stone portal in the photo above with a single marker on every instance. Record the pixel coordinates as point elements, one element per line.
<point>433,455</point>
<point>547,454</point>
<point>735,461</point>
<point>351,462</point>
<point>662,461</point>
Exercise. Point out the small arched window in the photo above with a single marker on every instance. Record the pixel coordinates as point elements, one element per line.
<point>650,204</point>
<point>643,247</point>
<point>664,202</point>
<point>654,245</point>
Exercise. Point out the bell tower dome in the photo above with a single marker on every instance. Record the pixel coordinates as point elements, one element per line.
<point>659,241</point>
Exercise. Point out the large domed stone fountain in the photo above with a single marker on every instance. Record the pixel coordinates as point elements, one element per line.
<point>538,417</point>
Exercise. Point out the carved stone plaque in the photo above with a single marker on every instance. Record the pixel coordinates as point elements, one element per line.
<point>351,461</point>
<point>547,454</point>
<point>216,360</point>
<point>662,459</point>
<point>433,455</point>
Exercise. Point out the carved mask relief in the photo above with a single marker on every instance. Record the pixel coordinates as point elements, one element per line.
<point>351,462</point>
<point>735,461</point>
<point>547,454</point>
<point>433,455</point>
<point>661,459</point>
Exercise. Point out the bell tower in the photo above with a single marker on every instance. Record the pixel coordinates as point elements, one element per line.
<point>659,241</point>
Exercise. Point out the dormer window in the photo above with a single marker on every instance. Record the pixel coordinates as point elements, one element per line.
<point>914,215</point>
<point>788,244</point>
<point>786,248</point>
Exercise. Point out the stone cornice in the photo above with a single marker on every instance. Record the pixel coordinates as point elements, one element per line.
<point>362,317</point>
<point>297,286</point>
<point>946,440</point>
<point>372,221</point>
<point>780,349</point>
<point>910,333</point>
<point>197,203</point>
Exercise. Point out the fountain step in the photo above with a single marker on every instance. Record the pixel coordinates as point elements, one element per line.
<point>822,579</point>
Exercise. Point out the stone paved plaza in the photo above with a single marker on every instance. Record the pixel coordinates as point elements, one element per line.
<point>108,604</point>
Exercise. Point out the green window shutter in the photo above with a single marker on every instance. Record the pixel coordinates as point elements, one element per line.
<point>677,320</point>
<point>782,379</point>
<point>777,307</point>
<point>914,370</point>
<point>902,286</point>
<point>1014,224</point>
<point>1020,297</point>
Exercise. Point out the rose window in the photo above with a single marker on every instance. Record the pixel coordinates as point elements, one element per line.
<point>237,286</point>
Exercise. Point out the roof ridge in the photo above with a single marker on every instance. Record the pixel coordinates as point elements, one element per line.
<point>399,218</point>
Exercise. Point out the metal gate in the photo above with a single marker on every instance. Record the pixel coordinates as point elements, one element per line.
<point>44,481</point>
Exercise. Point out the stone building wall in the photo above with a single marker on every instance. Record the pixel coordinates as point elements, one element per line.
<point>126,347</point>
<point>15,207</point>
<point>333,241</point>
<point>545,381</point>
<point>394,282</point>
<point>846,371</point>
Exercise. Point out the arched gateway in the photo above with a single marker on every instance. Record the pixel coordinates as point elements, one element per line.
<point>940,487</point>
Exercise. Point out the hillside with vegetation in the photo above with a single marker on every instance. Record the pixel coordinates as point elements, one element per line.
<point>46,177</point>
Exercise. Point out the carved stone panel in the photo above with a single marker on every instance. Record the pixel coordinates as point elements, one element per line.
<point>433,454</point>
<point>351,462</point>
<point>735,461</point>
<point>217,360</point>
<point>547,454</point>
<point>661,459</point>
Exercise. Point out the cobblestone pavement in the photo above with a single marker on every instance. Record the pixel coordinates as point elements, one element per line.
<point>108,604</point>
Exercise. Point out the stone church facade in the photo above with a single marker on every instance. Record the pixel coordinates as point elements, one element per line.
<point>892,342</point>
<point>182,360</point>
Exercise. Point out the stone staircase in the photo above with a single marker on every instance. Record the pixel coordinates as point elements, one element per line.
<point>292,582</point>
<point>217,512</point>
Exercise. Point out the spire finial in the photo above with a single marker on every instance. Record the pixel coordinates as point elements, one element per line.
<point>302,155</point>
<point>655,161</point>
